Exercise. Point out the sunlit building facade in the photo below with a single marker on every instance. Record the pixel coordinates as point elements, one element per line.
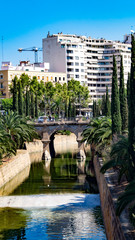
<point>87,60</point>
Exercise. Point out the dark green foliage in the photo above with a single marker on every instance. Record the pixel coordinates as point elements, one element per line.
<point>15,94</point>
<point>107,104</point>
<point>7,104</point>
<point>36,106</point>
<point>120,159</point>
<point>32,106</point>
<point>69,109</point>
<point>127,197</point>
<point>131,105</point>
<point>64,132</point>
<point>27,102</point>
<point>128,89</point>
<point>14,131</point>
<point>20,99</point>
<point>103,105</point>
<point>115,103</point>
<point>98,132</point>
<point>95,109</point>
<point>123,99</point>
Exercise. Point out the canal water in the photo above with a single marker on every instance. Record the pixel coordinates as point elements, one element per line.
<point>54,201</point>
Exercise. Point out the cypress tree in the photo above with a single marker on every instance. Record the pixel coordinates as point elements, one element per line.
<point>36,106</point>
<point>69,109</point>
<point>115,103</point>
<point>103,105</point>
<point>15,95</point>
<point>20,99</point>
<point>32,105</point>
<point>131,102</point>
<point>66,109</point>
<point>123,99</point>
<point>94,108</point>
<point>128,89</point>
<point>107,104</point>
<point>27,103</point>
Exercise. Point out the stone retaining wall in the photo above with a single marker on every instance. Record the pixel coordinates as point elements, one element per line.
<point>116,228</point>
<point>35,146</point>
<point>10,168</point>
<point>15,165</point>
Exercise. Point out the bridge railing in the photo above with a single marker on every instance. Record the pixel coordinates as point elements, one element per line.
<point>72,119</point>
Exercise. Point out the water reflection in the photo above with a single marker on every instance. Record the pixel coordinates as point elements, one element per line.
<point>15,182</point>
<point>52,203</point>
<point>80,219</point>
<point>57,175</point>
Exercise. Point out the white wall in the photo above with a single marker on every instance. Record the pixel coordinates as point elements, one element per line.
<point>54,54</point>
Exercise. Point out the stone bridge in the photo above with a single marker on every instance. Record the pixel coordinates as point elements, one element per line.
<point>47,131</point>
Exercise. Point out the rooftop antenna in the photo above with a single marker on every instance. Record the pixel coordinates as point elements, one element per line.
<point>2,48</point>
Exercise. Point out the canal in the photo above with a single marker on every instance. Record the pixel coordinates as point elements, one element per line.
<point>54,200</point>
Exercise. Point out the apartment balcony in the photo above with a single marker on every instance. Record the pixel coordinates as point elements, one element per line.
<point>99,71</point>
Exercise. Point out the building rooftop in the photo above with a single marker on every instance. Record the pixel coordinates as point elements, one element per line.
<point>26,66</point>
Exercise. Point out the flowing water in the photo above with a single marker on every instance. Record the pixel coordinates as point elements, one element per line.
<point>54,201</point>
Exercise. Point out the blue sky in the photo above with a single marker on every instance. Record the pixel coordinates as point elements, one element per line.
<point>25,23</point>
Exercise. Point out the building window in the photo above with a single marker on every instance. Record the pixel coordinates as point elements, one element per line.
<point>59,78</point>
<point>76,58</point>
<point>76,76</point>
<point>82,64</point>
<point>69,51</point>
<point>42,77</point>
<point>69,58</point>
<point>76,70</point>
<point>55,79</point>
<point>47,78</point>
<point>51,78</point>
<point>62,45</point>
<point>76,64</point>
<point>63,78</point>
<point>82,70</point>
<point>38,77</point>
<point>1,76</point>
<point>74,46</point>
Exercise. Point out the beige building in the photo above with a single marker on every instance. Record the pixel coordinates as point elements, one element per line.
<point>8,72</point>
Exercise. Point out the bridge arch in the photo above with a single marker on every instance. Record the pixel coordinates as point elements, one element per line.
<point>46,130</point>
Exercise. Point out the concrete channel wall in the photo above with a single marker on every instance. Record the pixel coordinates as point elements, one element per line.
<point>116,228</point>
<point>10,168</point>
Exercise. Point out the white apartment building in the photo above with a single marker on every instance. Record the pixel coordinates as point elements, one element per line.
<point>87,60</point>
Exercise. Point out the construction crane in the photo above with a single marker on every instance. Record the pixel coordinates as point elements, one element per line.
<point>34,49</point>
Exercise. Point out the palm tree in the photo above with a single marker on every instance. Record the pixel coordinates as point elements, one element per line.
<point>120,158</point>
<point>15,131</point>
<point>98,133</point>
<point>126,198</point>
